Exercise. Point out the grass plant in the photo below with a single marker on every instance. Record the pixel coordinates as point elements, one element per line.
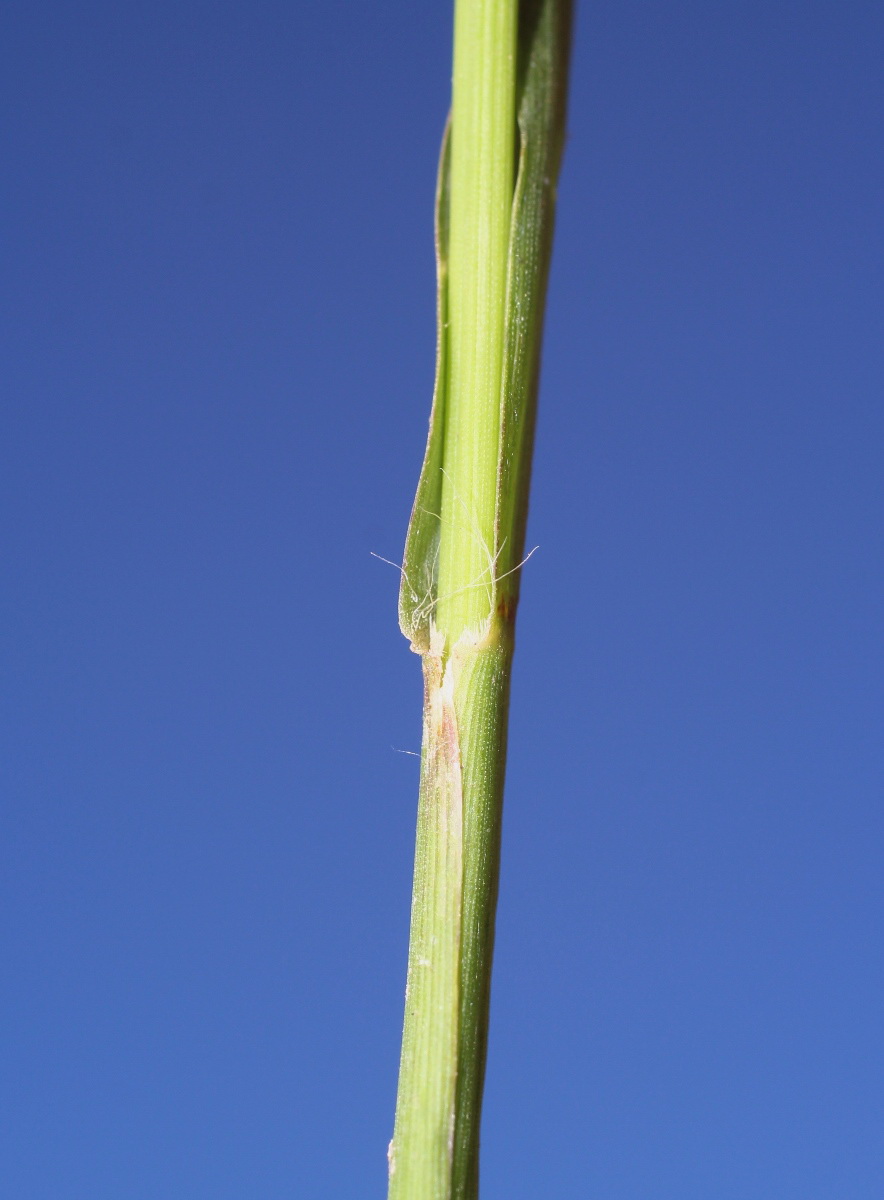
<point>464,550</point>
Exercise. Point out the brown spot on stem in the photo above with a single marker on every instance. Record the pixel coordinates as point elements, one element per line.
<point>506,608</point>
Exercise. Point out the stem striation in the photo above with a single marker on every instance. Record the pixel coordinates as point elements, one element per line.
<point>460,577</point>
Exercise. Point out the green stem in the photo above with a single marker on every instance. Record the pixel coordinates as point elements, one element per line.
<point>483,134</point>
<point>462,557</point>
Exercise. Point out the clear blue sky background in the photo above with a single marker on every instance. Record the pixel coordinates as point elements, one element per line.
<point>218,350</point>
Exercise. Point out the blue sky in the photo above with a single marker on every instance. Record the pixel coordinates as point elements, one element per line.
<point>218,351</point>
